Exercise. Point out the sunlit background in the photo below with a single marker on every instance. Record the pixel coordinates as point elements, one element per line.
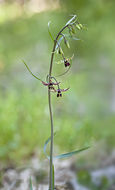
<point>85,115</point>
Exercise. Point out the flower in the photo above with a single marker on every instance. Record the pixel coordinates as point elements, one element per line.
<point>50,83</point>
<point>66,63</point>
<point>59,91</point>
<point>59,94</point>
<point>52,89</point>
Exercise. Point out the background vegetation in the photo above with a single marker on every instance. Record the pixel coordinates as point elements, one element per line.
<point>86,113</point>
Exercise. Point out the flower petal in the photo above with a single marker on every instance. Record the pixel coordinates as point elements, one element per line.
<point>49,84</point>
<point>44,83</point>
<point>62,90</point>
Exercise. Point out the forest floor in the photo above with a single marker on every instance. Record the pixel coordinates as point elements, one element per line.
<point>68,175</point>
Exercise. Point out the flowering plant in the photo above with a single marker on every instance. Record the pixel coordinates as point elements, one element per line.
<point>53,84</point>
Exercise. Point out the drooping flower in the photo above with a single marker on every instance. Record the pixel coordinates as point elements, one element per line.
<point>50,83</point>
<point>53,89</point>
<point>59,94</point>
<point>59,91</point>
<point>66,63</point>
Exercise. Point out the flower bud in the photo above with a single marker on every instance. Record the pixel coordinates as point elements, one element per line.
<point>73,30</point>
<point>81,26</point>
<point>67,44</point>
<point>78,27</point>
<point>60,51</point>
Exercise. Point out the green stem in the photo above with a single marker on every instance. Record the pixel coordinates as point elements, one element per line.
<point>51,145</point>
<point>51,183</point>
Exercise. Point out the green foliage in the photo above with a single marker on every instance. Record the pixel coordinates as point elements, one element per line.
<point>19,126</point>
<point>65,155</point>
<point>30,71</point>
<point>49,31</point>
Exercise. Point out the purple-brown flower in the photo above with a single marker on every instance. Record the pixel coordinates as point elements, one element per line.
<point>59,94</point>
<point>52,89</point>
<point>66,63</point>
<point>50,83</point>
<point>59,91</point>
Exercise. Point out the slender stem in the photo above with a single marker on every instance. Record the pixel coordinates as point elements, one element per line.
<point>50,111</point>
<point>55,42</point>
<point>51,145</point>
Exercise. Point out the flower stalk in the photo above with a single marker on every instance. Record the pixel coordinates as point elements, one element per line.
<point>50,110</point>
<point>59,94</point>
<point>54,86</point>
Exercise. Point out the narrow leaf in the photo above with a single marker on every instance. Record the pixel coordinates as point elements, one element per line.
<point>31,71</point>
<point>49,30</point>
<point>74,38</point>
<point>45,145</point>
<point>66,155</point>
<point>73,18</point>
<point>58,42</point>
<point>69,154</point>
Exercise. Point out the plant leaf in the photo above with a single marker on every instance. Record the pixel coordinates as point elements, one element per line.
<point>58,42</point>
<point>73,18</point>
<point>49,30</point>
<point>31,71</point>
<point>45,145</point>
<point>65,155</point>
<point>31,188</point>
<point>74,38</point>
<point>69,154</point>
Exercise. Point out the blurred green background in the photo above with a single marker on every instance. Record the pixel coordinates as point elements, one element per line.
<point>86,113</point>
